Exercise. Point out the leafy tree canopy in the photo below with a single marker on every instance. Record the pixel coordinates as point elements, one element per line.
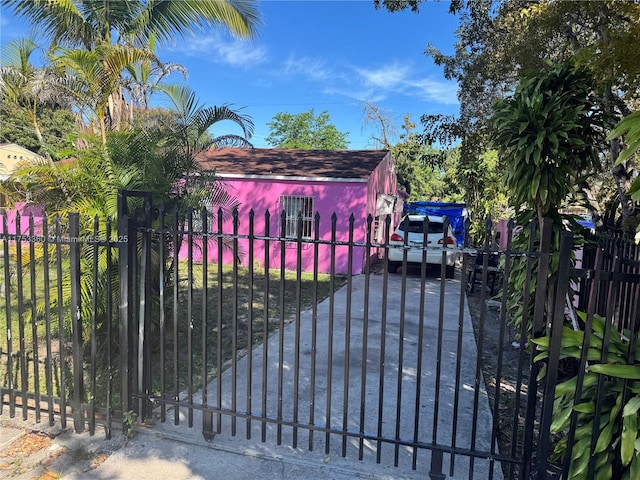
<point>57,126</point>
<point>550,133</point>
<point>499,40</point>
<point>305,131</point>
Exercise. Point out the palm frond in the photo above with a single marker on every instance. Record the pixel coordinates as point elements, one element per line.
<point>166,18</point>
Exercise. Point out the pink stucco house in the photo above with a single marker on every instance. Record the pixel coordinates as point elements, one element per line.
<point>344,182</point>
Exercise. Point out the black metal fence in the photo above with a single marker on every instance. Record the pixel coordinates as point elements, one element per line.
<point>373,366</point>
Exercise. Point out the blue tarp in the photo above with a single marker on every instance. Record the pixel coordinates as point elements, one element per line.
<point>454,211</point>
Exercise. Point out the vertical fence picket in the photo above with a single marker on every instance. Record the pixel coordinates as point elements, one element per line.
<point>557,322</point>
<point>365,337</point>
<point>61,331</point>
<point>46,280</point>
<point>421,320</point>
<point>162,251</point>
<point>265,322</point>
<point>298,308</point>
<point>332,304</point>
<point>537,322</point>
<point>207,419</point>
<point>109,244</point>
<point>144,315</point>
<point>314,327</point>
<point>176,308</point>
<point>401,328</point>
<point>383,339</point>
<point>220,280</point>
<point>189,319</point>
<point>501,335</point>
<point>76,321</point>
<point>249,347</point>
<point>588,331</point>
<point>283,279</point>
<point>234,324</point>
<point>347,338</point>
<point>24,374</point>
<point>458,369</point>
<point>34,318</point>
<point>9,319</point>
<point>436,455</point>
<point>94,329</point>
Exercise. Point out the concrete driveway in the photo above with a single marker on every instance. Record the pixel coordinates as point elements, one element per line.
<point>446,402</point>
<point>444,406</point>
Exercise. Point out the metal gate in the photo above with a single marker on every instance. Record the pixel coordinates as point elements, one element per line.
<point>371,366</point>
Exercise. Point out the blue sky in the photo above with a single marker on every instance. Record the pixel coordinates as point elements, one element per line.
<point>325,55</point>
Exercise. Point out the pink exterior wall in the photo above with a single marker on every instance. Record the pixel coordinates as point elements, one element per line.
<point>329,197</point>
<point>25,211</point>
<point>382,180</point>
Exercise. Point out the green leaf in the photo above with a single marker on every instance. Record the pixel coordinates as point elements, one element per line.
<point>585,407</point>
<point>628,152</point>
<point>561,420</point>
<point>629,434</point>
<point>632,407</point>
<point>604,439</point>
<point>629,123</point>
<point>542,372</point>
<point>605,473</point>
<point>634,470</point>
<point>630,372</point>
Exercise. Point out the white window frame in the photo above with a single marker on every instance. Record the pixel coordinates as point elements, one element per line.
<point>294,205</point>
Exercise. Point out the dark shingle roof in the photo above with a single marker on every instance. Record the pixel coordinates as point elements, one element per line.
<point>357,164</point>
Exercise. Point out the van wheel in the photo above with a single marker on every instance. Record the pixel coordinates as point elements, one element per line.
<point>450,271</point>
<point>393,266</point>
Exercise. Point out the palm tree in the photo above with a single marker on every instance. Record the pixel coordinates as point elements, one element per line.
<point>27,86</point>
<point>152,159</point>
<point>89,23</point>
<point>92,76</point>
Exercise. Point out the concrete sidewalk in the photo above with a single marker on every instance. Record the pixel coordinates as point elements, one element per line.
<point>179,452</point>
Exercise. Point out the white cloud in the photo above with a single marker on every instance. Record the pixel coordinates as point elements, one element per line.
<point>388,77</point>
<point>400,79</point>
<point>230,51</point>
<point>436,90</point>
<point>311,68</point>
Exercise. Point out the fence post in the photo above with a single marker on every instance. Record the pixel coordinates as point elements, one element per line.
<point>123,330</point>
<point>76,321</point>
<point>546,230</point>
<point>556,313</point>
<point>144,320</point>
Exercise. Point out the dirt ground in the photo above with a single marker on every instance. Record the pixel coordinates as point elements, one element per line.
<point>500,356</point>
<point>37,451</point>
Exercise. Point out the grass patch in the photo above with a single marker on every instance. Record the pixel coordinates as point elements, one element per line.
<point>230,312</point>
<point>242,306</point>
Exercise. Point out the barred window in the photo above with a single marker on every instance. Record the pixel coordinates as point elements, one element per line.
<point>293,206</point>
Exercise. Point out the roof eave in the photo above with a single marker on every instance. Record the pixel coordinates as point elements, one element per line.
<point>292,177</point>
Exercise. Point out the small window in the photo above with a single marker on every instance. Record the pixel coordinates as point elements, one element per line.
<point>294,206</point>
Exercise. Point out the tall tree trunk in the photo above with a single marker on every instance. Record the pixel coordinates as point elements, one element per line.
<point>621,177</point>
